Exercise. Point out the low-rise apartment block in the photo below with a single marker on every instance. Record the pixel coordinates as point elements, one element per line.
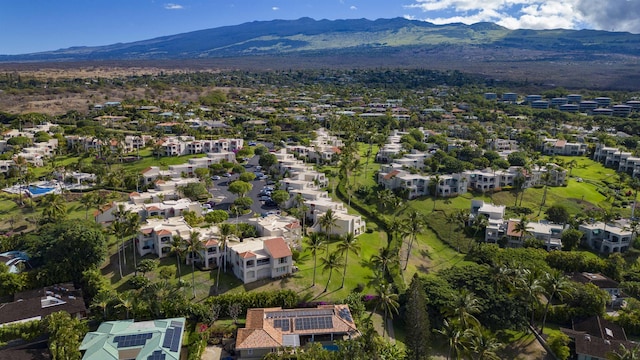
<point>255,259</point>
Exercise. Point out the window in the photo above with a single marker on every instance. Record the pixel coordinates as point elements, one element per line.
<point>282,260</point>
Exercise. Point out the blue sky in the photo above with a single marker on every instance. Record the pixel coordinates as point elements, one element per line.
<point>40,25</point>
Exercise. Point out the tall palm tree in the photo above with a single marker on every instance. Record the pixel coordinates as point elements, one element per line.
<point>464,305</point>
<point>383,258</point>
<point>455,336</point>
<point>530,286</point>
<point>119,230</point>
<point>414,225</point>
<point>177,247</point>
<point>331,263</point>
<point>88,200</point>
<point>483,345</point>
<point>388,301</point>
<point>436,180</point>
<point>194,246</point>
<point>314,244</point>
<point>555,284</point>
<point>546,176</point>
<point>328,221</point>
<point>606,217</point>
<point>348,244</point>
<point>226,230</point>
<point>132,223</point>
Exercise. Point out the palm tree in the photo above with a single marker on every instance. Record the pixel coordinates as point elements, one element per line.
<point>328,221</point>
<point>55,208</point>
<point>348,244</point>
<point>384,257</point>
<point>119,230</point>
<point>606,217</point>
<point>22,164</point>
<point>388,301</point>
<point>522,227</point>
<point>483,344</point>
<point>314,243</point>
<point>414,225</point>
<point>194,246</point>
<point>546,176</point>
<point>571,164</point>
<point>102,301</point>
<point>463,306</point>
<point>177,247</point>
<point>455,336</point>
<point>530,286</point>
<point>126,301</point>
<point>556,284</point>
<point>88,200</point>
<point>226,230</point>
<point>132,224</point>
<point>331,263</point>
<point>436,184</point>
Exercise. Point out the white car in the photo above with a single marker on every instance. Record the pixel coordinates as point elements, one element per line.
<point>215,177</point>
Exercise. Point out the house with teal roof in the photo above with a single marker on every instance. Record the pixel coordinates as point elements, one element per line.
<point>126,339</point>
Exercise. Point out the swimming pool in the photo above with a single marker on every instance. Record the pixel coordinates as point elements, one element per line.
<point>330,347</point>
<point>35,190</point>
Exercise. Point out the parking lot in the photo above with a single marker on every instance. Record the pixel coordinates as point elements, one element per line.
<point>224,199</point>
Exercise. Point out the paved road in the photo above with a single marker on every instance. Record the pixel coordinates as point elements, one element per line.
<point>220,190</point>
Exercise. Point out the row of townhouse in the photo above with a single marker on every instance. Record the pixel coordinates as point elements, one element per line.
<point>129,143</point>
<point>393,147</point>
<point>152,173</point>
<point>618,159</point>
<point>415,185</point>
<point>187,145</point>
<point>563,147</point>
<point>494,180</point>
<point>605,238</point>
<point>305,183</point>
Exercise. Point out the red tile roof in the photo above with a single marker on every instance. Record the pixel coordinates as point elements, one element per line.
<point>277,247</point>
<point>147,170</point>
<point>164,232</point>
<point>247,254</point>
<point>211,242</point>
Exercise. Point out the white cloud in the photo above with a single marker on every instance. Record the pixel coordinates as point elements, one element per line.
<point>516,14</point>
<point>171,6</point>
<point>353,7</point>
<point>275,8</point>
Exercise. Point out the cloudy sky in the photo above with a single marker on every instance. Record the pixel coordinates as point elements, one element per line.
<point>40,25</point>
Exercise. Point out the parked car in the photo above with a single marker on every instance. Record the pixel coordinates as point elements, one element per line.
<point>215,177</point>
<point>252,143</point>
<point>270,203</point>
<point>265,198</point>
<point>226,175</point>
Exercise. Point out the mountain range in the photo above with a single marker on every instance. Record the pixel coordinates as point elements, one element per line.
<point>309,37</point>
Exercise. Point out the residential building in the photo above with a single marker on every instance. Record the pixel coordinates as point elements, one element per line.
<point>563,147</point>
<point>494,214</point>
<point>606,238</point>
<point>594,338</point>
<point>255,259</point>
<point>143,340</point>
<point>603,282</point>
<point>286,227</point>
<point>415,185</point>
<point>37,304</point>
<point>269,330</point>
<point>550,234</point>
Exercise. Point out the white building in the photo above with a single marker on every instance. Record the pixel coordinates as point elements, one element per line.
<point>252,260</point>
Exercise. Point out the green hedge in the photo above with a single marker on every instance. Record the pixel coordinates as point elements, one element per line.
<point>265,299</point>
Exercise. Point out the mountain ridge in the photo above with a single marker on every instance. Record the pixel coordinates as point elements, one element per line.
<point>309,36</point>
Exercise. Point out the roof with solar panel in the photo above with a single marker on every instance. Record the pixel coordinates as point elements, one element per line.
<point>277,327</point>
<point>144,340</point>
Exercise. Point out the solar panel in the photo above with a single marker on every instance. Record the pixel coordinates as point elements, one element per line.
<point>282,324</point>
<point>298,313</point>
<point>132,340</point>
<point>312,323</point>
<point>175,341</point>
<point>345,314</point>
<point>166,343</point>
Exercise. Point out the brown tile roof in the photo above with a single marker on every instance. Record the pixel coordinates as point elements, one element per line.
<point>277,247</point>
<point>28,304</point>
<point>259,332</point>
<point>147,231</point>
<point>293,225</point>
<point>560,143</point>
<point>147,170</point>
<point>152,208</point>
<point>511,229</point>
<point>164,232</point>
<point>391,174</point>
<point>134,194</point>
